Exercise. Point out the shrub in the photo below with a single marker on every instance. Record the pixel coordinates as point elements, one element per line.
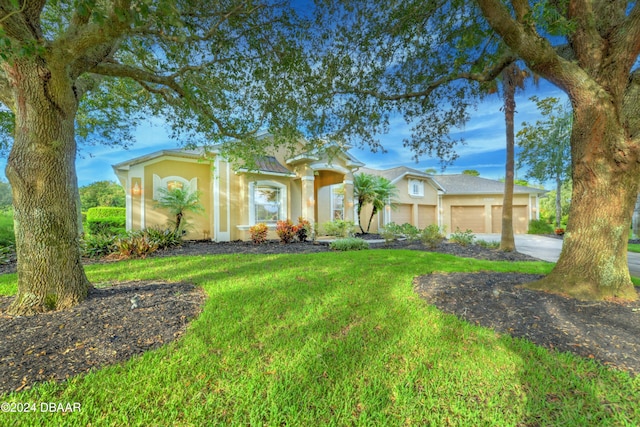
<point>339,228</point>
<point>285,230</point>
<point>539,226</point>
<point>163,238</point>
<point>432,236</point>
<point>98,245</point>
<point>136,244</point>
<point>111,226</point>
<point>7,253</point>
<point>411,232</point>
<point>390,232</point>
<point>463,238</point>
<point>303,229</point>
<point>489,245</point>
<point>259,233</point>
<point>349,244</point>
<point>103,212</point>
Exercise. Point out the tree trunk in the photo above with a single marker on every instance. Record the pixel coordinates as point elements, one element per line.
<point>507,241</point>
<point>41,169</point>
<point>558,201</point>
<point>593,261</point>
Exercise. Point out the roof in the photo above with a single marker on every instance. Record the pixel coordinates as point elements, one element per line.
<point>189,154</point>
<point>396,174</point>
<point>469,184</point>
<point>269,165</point>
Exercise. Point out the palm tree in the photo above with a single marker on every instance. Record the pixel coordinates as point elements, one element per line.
<point>364,192</point>
<point>384,193</point>
<point>178,201</point>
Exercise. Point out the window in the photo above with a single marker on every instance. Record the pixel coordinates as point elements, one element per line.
<point>416,187</point>
<point>337,201</point>
<point>268,202</point>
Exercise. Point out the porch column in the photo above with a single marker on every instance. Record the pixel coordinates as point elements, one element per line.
<point>308,198</point>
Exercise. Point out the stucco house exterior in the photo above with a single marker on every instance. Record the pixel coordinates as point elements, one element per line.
<point>313,184</point>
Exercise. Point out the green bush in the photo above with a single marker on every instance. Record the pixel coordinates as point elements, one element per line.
<point>163,238</point>
<point>112,226</point>
<point>349,244</point>
<point>463,238</point>
<point>98,245</point>
<point>102,212</point>
<point>539,226</point>
<point>411,232</point>
<point>339,228</point>
<point>390,232</point>
<point>432,236</point>
<point>489,245</point>
<point>136,244</point>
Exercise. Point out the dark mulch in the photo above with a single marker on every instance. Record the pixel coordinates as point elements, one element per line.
<point>105,330</point>
<point>608,332</point>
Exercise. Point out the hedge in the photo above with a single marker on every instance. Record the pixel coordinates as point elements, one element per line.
<point>103,212</point>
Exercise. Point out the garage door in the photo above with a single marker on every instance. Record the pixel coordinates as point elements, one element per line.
<point>467,218</point>
<point>520,219</point>
<point>426,216</point>
<point>402,214</point>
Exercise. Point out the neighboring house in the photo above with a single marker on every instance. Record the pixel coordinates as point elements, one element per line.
<point>310,184</point>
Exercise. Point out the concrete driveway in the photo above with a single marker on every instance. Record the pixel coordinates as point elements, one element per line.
<point>548,248</point>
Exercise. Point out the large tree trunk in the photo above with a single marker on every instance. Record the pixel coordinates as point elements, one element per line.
<point>41,169</point>
<point>593,262</point>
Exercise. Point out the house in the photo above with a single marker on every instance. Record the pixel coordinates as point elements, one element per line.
<point>314,184</point>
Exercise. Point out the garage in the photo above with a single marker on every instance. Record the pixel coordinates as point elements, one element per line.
<point>426,216</point>
<point>520,219</point>
<point>402,214</point>
<point>468,218</point>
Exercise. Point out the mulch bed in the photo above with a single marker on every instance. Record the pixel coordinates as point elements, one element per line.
<point>105,330</point>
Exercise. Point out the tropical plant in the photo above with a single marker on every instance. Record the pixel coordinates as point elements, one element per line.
<point>285,230</point>
<point>463,238</point>
<point>303,229</point>
<point>384,194</point>
<point>258,233</point>
<point>364,186</point>
<point>339,228</point>
<point>178,201</point>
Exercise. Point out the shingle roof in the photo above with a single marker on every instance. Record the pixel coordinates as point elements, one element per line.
<point>269,164</point>
<point>469,184</point>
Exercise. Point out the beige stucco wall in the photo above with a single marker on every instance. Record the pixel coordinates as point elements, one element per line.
<point>200,225</point>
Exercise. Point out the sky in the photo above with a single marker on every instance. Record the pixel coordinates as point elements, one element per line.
<point>484,150</point>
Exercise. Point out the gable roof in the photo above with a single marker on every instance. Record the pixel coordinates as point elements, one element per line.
<point>469,184</point>
<point>398,173</point>
<point>269,165</point>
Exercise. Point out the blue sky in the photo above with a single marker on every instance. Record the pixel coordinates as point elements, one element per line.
<point>484,150</point>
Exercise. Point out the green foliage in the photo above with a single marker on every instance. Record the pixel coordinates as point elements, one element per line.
<point>258,233</point>
<point>101,193</point>
<point>431,236</point>
<point>106,212</point>
<point>390,232</point>
<point>98,245</point>
<point>303,229</point>
<point>163,238</point>
<point>7,235</point>
<point>285,230</point>
<point>375,190</point>
<point>6,197</point>
<point>339,228</point>
<point>489,245</point>
<point>136,244</point>
<point>539,226</point>
<point>179,201</point>
<point>349,244</point>
<point>471,172</point>
<point>111,226</point>
<point>463,238</point>
<point>411,232</point>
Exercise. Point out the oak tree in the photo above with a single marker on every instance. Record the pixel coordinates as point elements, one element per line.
<point>428,61</point>
<point>88,69</point>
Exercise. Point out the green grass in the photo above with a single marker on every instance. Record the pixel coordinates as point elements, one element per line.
<point>634,247</point>
<point>6,228</point>
<point>332,339</point>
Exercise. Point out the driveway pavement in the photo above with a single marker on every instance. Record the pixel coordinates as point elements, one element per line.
<point>548,248</point>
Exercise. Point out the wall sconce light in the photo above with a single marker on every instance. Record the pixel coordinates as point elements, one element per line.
<point>387,207</point>
<point>349,204</point>
<point>311,201</point>
<point>136,190</point>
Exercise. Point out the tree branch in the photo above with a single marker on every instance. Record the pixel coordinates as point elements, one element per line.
<point>113,69</point>
<point>22,24</point>
<point>627,37</point>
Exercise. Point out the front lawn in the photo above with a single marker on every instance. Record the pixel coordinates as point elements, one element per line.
<point>332,339</point>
